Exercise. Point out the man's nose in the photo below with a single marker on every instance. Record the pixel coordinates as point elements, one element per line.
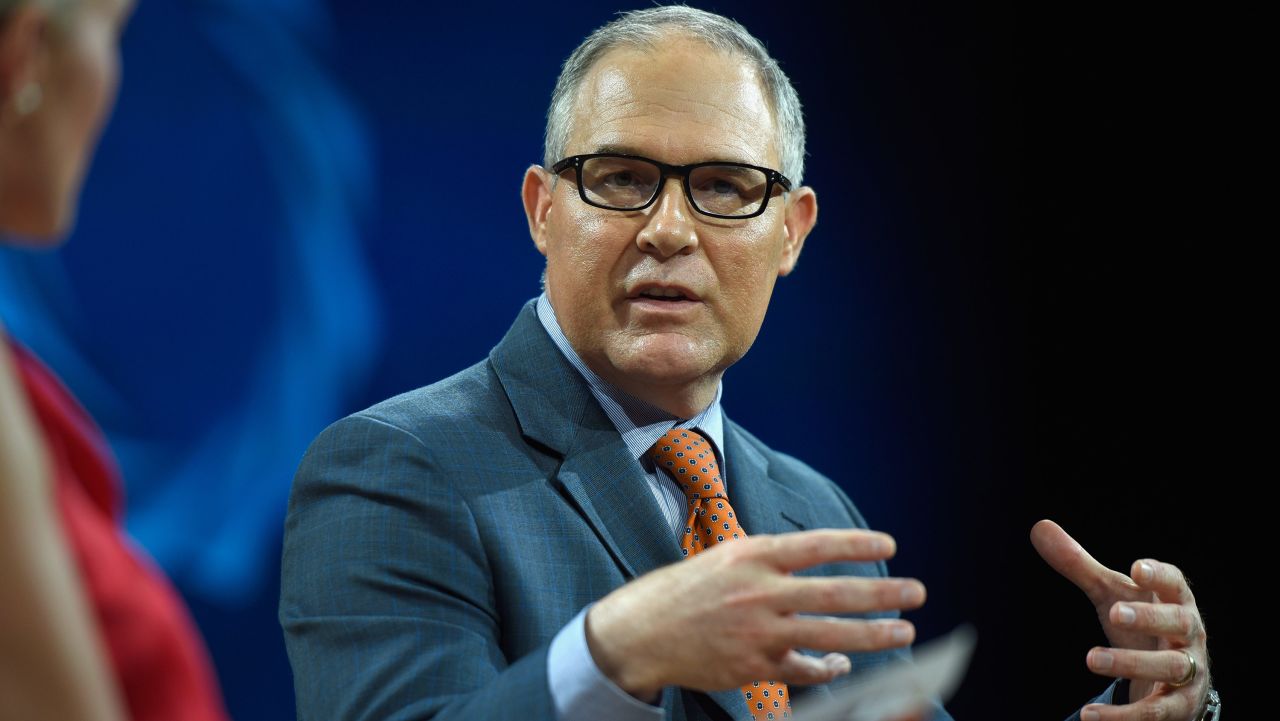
<point>671,228</point>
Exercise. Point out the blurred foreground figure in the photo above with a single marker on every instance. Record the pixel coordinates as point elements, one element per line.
<point>89,629</point>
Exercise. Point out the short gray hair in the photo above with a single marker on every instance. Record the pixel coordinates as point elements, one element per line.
<point>643,29</point>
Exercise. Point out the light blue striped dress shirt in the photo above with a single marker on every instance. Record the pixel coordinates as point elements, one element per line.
<point>581,692</point>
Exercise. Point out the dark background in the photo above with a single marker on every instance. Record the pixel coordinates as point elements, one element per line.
<point>1014,305</point>
<point>1133,303</point>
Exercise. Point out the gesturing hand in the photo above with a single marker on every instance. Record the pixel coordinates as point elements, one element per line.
<point>729,615</point>
<point>1151,620</point>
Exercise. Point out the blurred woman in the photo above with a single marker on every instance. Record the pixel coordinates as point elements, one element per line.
<point>89,628</point>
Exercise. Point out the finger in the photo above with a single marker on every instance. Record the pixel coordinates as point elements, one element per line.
<point>826,633</point>
<point>797,668</point>
<point>847,594</point>
<point>1165,579</point>
<point>1069,558</point>
<point>1159,707</point>
<point>794,551</point>
<point>1166,620</point>
<point>1169,667</point>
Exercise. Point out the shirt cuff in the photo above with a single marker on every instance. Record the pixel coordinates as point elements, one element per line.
<point>579,690</point>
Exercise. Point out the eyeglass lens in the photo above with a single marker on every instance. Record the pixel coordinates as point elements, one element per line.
<point>630,183</point>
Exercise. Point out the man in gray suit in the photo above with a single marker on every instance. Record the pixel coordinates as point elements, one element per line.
<point>507,543</point>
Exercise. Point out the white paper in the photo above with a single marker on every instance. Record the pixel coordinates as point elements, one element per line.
<point>897,690</point>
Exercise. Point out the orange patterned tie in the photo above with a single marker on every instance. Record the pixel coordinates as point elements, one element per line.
<point>689,459</point>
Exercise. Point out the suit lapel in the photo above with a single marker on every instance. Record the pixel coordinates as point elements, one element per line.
<point>609,487</point>
<point>555,409</point>
<point>763,505</point>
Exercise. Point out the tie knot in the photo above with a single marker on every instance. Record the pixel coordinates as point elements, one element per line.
<point>690,460</point>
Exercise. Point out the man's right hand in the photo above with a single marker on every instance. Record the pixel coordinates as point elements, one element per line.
<point>732,615</point>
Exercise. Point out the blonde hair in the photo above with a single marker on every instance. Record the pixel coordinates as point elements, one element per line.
<point>53,5</point>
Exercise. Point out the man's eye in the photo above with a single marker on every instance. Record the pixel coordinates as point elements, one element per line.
<point>724,187</point>
<point>620,180</point>
<point>720,186</point>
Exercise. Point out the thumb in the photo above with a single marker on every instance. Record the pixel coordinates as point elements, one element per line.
<point>797,668</point>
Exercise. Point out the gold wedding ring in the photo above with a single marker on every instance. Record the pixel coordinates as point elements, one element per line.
<point>1191,672</point>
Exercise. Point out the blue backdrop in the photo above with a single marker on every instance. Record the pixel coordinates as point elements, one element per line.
<point>300,208</point>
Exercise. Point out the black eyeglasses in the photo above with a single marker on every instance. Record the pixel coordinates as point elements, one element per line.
<point>630,182</point>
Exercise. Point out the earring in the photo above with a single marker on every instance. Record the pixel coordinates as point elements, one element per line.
<point>28,99</point>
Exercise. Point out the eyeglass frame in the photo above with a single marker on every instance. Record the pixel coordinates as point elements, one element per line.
<point>772,178</point>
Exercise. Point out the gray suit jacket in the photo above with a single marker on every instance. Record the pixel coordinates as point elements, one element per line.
<point>437,542</point>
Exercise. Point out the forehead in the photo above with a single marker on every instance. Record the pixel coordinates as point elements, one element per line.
<point>680,102</point>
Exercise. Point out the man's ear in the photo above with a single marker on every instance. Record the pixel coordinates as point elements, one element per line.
<point>538,196</point>
<point>22,50</point>
<point>801,216</point>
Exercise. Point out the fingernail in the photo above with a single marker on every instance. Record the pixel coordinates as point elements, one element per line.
<point>1101,660</point>
<point>900,634</point>
<point>884,545</point>
<point>1126,615</point>
<point>1145,571</point>
<point>838,664</point>
<point>910,595</point>
<point>1089,715</point>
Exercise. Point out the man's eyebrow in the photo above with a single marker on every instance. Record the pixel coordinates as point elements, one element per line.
<point>618,149</point>
<point>628,150</point>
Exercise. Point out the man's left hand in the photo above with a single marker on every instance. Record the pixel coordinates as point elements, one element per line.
<point>1152,622</point>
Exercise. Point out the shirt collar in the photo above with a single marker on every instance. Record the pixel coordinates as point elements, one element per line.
<point>639,423</point>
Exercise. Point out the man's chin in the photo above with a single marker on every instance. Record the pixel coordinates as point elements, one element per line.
<point>666,360</point>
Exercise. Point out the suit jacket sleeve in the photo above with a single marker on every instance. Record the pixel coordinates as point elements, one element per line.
<point>386,600</point>
<point>1118,690</point>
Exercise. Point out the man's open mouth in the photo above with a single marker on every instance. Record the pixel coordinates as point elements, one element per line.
<point>664,294</point>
